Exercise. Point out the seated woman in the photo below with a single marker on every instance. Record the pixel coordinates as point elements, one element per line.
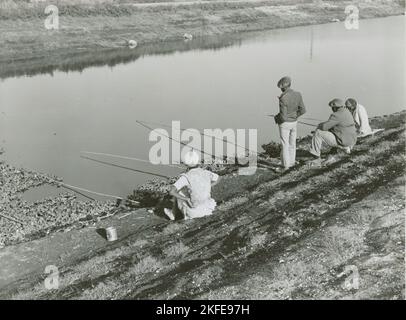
<point>192,191</point>
<point>360,116</point>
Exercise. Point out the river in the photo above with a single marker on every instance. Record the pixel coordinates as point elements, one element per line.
<point>46,120</point>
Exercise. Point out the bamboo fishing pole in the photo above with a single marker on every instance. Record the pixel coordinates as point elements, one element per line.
<point>75,189</point>
<point>307,124</point>
<point>205,135</point>
<point>127,168</point>
<point>96,193</point>
<point>305,118</point>
<point>11,218</point>
<point>182,143</point>
<point>301,122</point>
<point>128,158</point>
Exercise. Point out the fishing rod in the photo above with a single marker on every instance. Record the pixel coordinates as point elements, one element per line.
<point>314,119</point>
<point>75,189</point>
<point>11,218</point>
<point>128,158</point>
<point>151,129</point>
<point>80,193</point>
<point>182,143</point>
<point>301,122</point>
<point>127,168</point>
<point>203,134</point>
<point>307,124</point>
<point>95,192</point>
<point>305,118</point>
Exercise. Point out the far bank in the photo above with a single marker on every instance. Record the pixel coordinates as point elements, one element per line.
<point>102,32</point>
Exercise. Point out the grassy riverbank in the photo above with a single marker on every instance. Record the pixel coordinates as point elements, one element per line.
<point>89,29</point>
<point>298,235</point>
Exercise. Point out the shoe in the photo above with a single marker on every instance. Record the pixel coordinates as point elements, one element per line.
<point>330,160</point>
<point>315,163</point>
<point>347,150</point>
<point>169,214</point>
<point>281,170</point>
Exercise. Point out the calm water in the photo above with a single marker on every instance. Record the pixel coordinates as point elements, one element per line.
<point>46,120</point>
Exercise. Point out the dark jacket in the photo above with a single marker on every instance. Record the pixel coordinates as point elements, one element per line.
<point>291,106</point>
<point>341,124</point>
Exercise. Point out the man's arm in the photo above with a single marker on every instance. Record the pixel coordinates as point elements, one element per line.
<point>301,109</point>
<point>283,109</point>
<point>330,123</point>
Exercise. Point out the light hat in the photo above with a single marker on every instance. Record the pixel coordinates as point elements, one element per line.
<point>191,158</point>
<point>336,103</point>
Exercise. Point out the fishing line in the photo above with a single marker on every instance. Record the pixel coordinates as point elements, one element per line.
<point>130,158</point>
<point>127,168</point>
<point>203,134</point>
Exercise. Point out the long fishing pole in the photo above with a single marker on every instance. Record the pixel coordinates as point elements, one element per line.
<point>75,189</point>
<point>314,119</point>
<point>96,193</point>
<point>127,168</point>
<point>182,143</point>
<point>128,158</point>
<point>151,129</point>
<point>80,193</point>
<point>203,134</point>
<point>11,218</point>
<point>305,123</point>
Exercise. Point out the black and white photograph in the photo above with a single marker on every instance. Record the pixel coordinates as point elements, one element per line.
<point>213,151</point>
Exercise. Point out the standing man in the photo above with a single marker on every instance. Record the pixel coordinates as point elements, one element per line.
<point>338,131</point>
<point>360,116</point>
<point>291,107</point>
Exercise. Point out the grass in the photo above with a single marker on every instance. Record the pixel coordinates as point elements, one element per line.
<point>145,265</point>
<point>248,252</point>
<point>176,250</point>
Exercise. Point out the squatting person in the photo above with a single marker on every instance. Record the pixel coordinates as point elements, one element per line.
<point>338,131</point>
<point>291,107</point>
<point>192,191</point>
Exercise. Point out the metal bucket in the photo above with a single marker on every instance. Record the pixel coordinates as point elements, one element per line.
<point>111,234</point>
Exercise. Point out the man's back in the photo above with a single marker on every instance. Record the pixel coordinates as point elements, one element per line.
<point>341,124</point>
<point>291,105</point>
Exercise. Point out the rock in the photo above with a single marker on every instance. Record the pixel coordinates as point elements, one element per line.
<point>187,37</point>
<point>132,44</point>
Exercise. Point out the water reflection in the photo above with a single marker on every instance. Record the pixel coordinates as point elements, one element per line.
<point>80,61</point>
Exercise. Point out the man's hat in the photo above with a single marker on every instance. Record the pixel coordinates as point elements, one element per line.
<point>336,103</point>
<point>191,158</point>
<point>285,82</point>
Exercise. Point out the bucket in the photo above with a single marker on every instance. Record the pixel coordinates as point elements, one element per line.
<point>111,234</point>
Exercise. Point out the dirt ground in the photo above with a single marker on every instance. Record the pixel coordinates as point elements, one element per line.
<point>335,232</point>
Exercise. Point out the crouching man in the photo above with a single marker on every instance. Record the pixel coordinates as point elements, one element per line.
<point>192,191</point>
<point>338,131</point>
